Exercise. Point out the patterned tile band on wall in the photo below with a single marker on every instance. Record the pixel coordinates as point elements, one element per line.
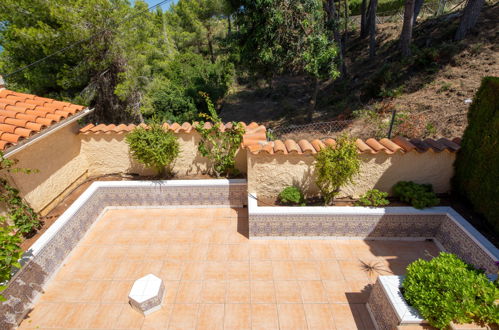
<point>362,226</point>
<point>43,259</point>
<point>381,309</point>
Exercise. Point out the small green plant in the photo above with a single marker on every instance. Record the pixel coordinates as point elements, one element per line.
<point>373,197</point>
<point>154,147</point>
<point>10,253</point>
<point>292,196</point>
<point>444,87</point>
<point>418,195</point>
<point>446,289</point>
<point>19,213</point>
<point>220,146</point>
<point>336,166</point>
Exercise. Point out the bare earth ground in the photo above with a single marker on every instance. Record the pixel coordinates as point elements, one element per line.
<point>432,88</point>
<point>214,276</point>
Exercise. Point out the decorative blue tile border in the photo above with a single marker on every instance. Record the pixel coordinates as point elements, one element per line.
<point>450,230</point>
<point>46,255</point>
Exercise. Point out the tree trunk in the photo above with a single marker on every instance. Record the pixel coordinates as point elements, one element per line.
<point>332,20</point>
<point>406,35</point>
<point>364,31</point>
<point>229,25</point>
<point>313,100</point>
<point>471,12</point>
<point>210,46</point>
<point>372,28</point>
<point>417,8</point>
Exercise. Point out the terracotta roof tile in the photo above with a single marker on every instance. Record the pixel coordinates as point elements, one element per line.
<point>29,114</point>
<point>370,146</point>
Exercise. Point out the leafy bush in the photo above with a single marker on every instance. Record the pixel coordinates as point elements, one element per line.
<point>447,289</point>
<point>418,195</point>
<point>153,147</point>
<point>291,196</point>
<point>336,166</point>
<point>10,253</point>
<point>217,145</point>
<point>19,212</point>
<point>373,197</point>
<point>476,176</point>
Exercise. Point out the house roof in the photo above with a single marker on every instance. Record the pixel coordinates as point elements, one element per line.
<point>23,115</point>
<point>254,133</point>
<point>370,146</point>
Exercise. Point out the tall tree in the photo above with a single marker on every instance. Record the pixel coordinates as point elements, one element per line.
<point>418,4</point>
<point>371,22</point>
<point>406,35</point>
<point>469,18</point>
<point>364,31</point>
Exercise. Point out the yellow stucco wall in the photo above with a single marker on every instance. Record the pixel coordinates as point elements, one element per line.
<point>109,153</point>
<point>59,163</point>
<point>269,174</point>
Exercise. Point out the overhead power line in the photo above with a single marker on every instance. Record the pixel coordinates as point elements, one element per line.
<point>85,39</point>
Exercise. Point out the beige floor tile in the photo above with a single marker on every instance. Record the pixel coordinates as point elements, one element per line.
<point>342,249</point>
<point>306,270</point>
<point>106,270</point>
<point>171,290</point>
<point>261,270</point>
<point>189,292</point>
<point>94,289</point>
<point>106,316</point>
<point>171,270</point>
<point>262,292</point>
<point>283,270</point>
<point>323,251</point>
<point>353,270</point>
<point>156,251</point>
<point>178,251</point>
<point>63,291</point>
<point>330,270</point>
<point>280,251</point>
<point>287,292</point>
<point>184,316</point>
<point>312,292</point>
<point>319,316</point>
<point>213,292</point>
<point>117,292</point>
<point>217,252</point>
<point>238,292</point>
<point>260,252</point>
<point>129,319</point>
<point>264,316</point>
<point>336,291</point>
<point>198,252</point>
<point>238,252</point>
<point>158,320</point>
<point>292,316</point>
<point>237,316</point>
<point>301,251</point>
<point>193,271</point>
<point>238,270</point>
<point>211,317</point>
<point>46,315</point>
<point>215,271</point>
<point>80,315</point>
<point>343,316</point>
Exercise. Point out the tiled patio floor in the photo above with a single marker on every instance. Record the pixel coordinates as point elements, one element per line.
<point>215,277</point>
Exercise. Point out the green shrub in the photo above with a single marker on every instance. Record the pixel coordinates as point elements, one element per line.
<point>476,167</point>
<point>447,289</point>
<point>154,147</point>
<point>291,196</point>
<point>10,253</point>
<point>418,195</point>
<point>217,145</point>
<point>373,197</point>
<point>336,166</point>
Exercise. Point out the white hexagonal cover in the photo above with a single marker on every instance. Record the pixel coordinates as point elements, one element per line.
<point>146,294</point>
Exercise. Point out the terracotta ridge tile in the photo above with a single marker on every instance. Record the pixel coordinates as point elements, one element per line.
<point>24,132</point>
<point>405,144</point>
<point>9,137</point>
<point>175,127</point>
<point>292,147</point>
<point>254,148</point>
<point>35,126</point>
<point>452,146</point>
<point>363,147</point>
<point>268,147</point>
<point>330,143</point>
<point>421,146</point>
<point>8,128</point>
<point>376,146</point>
<point>393,147</point>
<point>86,128</point>
<point>306,147</point>
<point>4,144</point>
<point>99,128</point>
<point>280,147</point>
<point>318,145</point>
<point>457,140</point>
<point>435,145</point>
<point>34,118</point>
<point>186,127</point>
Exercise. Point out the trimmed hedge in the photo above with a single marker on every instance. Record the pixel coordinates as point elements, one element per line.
<point>477,164</point>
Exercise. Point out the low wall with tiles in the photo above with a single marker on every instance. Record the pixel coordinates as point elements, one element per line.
<point>44,258</point>
<point>443,224</point>
<point>269,174</point>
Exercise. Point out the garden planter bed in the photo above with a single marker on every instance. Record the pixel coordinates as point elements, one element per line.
<point>390,310</point>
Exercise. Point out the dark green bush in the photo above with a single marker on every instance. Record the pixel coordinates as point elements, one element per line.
<point>154,147</point>
<point>373,197</point>
<point>418,195</point>
<point>446,289</point>
<point>477,164</point>
<point>291,196</point>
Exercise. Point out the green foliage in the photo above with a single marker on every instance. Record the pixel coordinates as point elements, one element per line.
<point>291,196</point>
<point>10,253</point>
<point>373,197</point>
<point>418,195</point>
<point>153,147</point>
<point>19,212</point>
<point>476,175</point>
<point>220,146</point>
<point>336,166</point>
<point>446,289</point>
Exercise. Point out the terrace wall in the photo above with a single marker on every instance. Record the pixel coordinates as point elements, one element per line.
<point>268,174</point>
